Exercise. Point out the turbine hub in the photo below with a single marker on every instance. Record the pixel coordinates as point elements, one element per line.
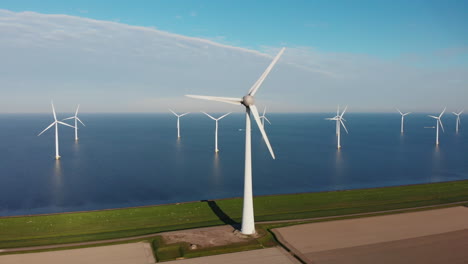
<point>248,100</point>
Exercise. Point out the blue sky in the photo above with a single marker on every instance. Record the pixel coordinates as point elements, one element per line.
<point>359,52</point>
<point>380,28</point>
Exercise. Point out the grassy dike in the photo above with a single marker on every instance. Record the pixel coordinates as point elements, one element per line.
<point>108,224</point>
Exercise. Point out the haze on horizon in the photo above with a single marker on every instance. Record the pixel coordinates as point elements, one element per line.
<point>119,66</point>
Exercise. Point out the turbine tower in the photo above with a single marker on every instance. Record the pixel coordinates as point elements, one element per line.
<point>248,222</point>
<point>402,119</point>
<point>216,129</point>
<point>178,121</point>
<point>76,124</point>
<point>263,117</point>
<point>339,119</point>
<point>437,127</point>
<point>458,119</point>
<point>56,122</point>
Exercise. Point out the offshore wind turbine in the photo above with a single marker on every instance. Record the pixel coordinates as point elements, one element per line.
<point>263,117</point>
<point>339,120</point>
<point>76,124</point>
<point>56,122</point>
<point>216,129</point>
<point>402,119</point>
<point>178,121</point>
<point>439,121</point>
<point>248,101</point>
<point>458,119</point>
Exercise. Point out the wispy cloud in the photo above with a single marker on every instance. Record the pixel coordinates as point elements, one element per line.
<point>108,66</point>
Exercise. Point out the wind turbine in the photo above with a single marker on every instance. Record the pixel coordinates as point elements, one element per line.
<point>178,121</point>
<point>248,222</point>
<point>437,127</point>
<point>458,118</point>
<point>216,130</point>
<point>56,122</point>
<point>76,124</point>
<point>263,117</point>
<point>339,119</point>
<point>402,118</point>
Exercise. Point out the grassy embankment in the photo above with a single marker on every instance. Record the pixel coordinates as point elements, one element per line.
<point>108,224</point>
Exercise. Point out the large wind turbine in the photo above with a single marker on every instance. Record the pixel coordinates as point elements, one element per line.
<point>56,122</point>
<point>437,127</point>
<point>458,119</point>
<point>339,119</point>
<point>402,119</point>
<point>248,222</point>
<point>76,124</point>
<point>178,121</point>
<point>216,129</point>
<point>263,117</point>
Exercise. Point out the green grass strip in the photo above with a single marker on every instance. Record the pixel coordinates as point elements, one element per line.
<point>108,224</point>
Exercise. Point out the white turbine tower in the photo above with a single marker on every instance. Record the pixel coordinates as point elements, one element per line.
<point>248,222</point>
<point>76,124</point>
<point>402,119</point>
<point>339,119</point>
<point>56,122</point>
<point>458,119</point>
<point>216,129</point>
<point>437,127</point>
<point>178,121</point>
<point>263,117</point>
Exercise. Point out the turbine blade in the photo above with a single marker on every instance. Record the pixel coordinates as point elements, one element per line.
<point>264,111</point>
<point>68,118</point>
<point>65,124</point>
<point>341,121</point>
<point>209,115</point>
<point>174,113</point>
<point>455,113</point>
<point>184,114</point>
<point>224,116</point>
<point>406,114</point>
<point>267,120</point>
<point>47,128</point>
<point>253,90</point>
<point>254,110</point>
<point>344,111</point>
<point>53,111</point>
<point>442,112</point>
<point>338,110</point>
<point>76,113</point>
<point>80,121</point>
<point>228,100</point>
<point>442,126</point>
<point>399,111</point>
<point>435,117</point>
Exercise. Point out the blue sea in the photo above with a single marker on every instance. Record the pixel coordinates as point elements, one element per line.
<point>124,160</point>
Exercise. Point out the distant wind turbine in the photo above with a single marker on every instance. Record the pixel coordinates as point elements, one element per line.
<point>56,122</point>
<point>76,124</point>
<point>178,121</point>
<point>248,222</point>
<point>402,119</point>
<point>263,117</point>
<point>439,121</point>
<point>339,119</point>
<point>216,129</point>
<point>458,119</point>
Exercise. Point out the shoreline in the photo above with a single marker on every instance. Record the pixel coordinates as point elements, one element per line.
<point>222,199</point>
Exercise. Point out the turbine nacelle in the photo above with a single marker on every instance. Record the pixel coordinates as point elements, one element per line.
<point>248,100</point>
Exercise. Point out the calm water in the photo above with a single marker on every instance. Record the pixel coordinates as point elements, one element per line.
<point>135,159</point>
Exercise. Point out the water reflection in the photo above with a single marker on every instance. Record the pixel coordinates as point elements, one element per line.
<point>57,183</point>
<point>216,169</point>
<point>436,165</point>
<point>338,176</point>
